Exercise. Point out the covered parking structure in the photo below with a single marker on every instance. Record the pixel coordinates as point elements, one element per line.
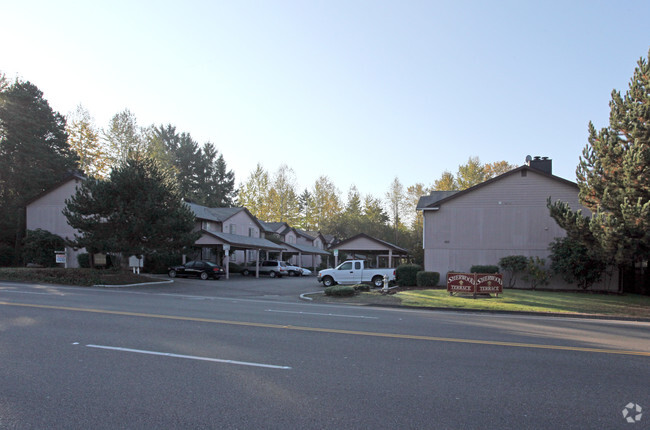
<point>303,249</point>
<point>366,246</point>
<point>228,243</point>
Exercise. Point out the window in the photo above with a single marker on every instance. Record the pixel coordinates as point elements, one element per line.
<point>251,232</point>
<point>346,266</point>
<point>357,265</point>
<point>233,229</point>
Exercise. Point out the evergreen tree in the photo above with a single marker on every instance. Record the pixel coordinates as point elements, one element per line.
<point>306,218</point>
<point>614,179</point>
<point>34,154</point>
<point>326,203</point>
<point>202,173</point>
<point>137,211</point>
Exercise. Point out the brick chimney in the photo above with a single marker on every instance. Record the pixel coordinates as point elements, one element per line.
<point>544,164</point>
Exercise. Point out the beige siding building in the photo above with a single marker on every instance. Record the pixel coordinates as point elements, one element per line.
<point>504,216</point>
<point>46,212</point>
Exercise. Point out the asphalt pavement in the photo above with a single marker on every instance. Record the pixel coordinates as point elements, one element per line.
<point>248,353</point>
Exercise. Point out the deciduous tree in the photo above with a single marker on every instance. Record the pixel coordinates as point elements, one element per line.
<point>83,138</point>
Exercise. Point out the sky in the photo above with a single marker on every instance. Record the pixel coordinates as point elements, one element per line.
<point>359,91</point>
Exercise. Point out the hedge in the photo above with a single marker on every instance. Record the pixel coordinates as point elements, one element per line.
<point>427,279</point>
<point>484,269</point>
<point>406,274</point>
<point>340,290</point>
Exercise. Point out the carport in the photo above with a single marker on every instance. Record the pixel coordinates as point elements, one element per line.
<point>368,245</point>
<point>303,249</point>
<point>233,242</point>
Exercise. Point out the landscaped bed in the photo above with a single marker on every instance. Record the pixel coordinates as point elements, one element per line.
<point>628,305</point>
<point>80,277</point>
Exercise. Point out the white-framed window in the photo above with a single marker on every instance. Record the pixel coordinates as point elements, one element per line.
<point>233,256</point>
<point>233,228</point>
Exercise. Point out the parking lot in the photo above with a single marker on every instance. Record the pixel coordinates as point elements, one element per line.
<point>238,286</point>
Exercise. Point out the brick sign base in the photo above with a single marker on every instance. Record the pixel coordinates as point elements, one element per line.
<point>475,283</point>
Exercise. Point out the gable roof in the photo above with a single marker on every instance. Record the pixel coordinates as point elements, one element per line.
<point>388,245</point>
<point>274,227</point>
<point>219,214</point>
<point>72,176</point>
<point>305,234</point>
<point>437,198</point>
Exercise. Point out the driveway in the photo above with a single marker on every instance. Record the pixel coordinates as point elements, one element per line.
<point>238,286</point>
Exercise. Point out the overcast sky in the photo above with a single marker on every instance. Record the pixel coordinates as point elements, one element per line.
<point>360,91</point>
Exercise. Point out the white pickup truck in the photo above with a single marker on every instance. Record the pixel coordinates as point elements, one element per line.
<point>355,272</point>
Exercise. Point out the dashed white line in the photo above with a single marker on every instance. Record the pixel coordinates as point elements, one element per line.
<point>190,357</point>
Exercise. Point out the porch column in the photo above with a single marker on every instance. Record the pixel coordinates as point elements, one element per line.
<point>226,260</point>
<point>257,264</point>
<point>390,258</point>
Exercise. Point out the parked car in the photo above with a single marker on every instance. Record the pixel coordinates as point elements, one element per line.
<point>272,268</point>
<point>293,270</point>
<point>305,272</point>
<point>202,269</point>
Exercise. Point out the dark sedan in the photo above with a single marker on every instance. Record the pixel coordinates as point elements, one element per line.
<point>202,269</point>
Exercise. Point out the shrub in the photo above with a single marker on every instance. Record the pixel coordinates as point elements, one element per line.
<point>39,247</point>
<point>484,269</point>
<point>84,260</point>
<point>427,279</point>
<point>340,290</point>
<point>7,255</point>
<point>406,274</point>
<point>361,287</point>
<point>575,262</point>
<point>536,273</point>
<point>513,265</point>
<point>160,262</point>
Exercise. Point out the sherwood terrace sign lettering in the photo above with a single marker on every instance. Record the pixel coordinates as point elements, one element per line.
<point>475,283</point>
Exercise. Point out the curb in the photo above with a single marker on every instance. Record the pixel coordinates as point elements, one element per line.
<point>170,281</point>
<point>493,312</point>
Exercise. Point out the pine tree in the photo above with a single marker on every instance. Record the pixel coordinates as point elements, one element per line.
<point>137,211</point>
<point>34,154</point>
<point>614,173</point>
<point>614,179</point>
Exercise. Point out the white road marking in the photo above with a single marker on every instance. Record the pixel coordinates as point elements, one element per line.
<point>31,292</point>
<point>190,357</point>
<point>323,314</point>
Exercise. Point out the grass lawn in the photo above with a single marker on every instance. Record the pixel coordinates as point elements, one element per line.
<point>81,277</point>
<point>629,305</point>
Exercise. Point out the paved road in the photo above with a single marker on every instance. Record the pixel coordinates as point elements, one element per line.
<point>246,353</point>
